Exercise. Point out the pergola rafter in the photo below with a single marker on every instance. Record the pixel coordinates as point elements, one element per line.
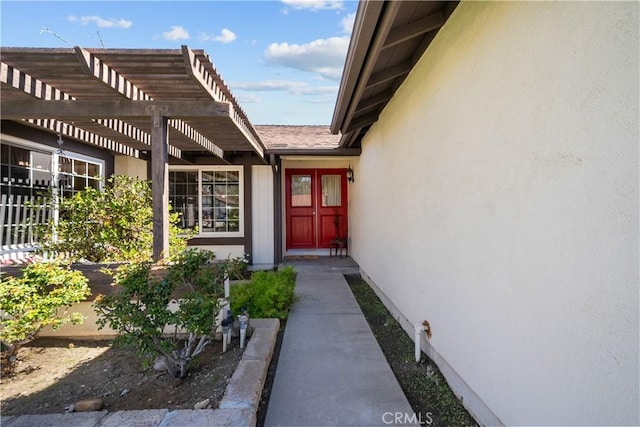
<point>216,90</point>
<point>110,77</point>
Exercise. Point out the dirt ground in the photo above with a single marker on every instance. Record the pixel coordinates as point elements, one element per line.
<point>53,373</point>
<point>424,385</point>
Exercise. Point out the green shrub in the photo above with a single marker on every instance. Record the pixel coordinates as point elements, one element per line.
<point>37,299</point>
<point>268,294</point>
<point>238,268</point>
<point>140,312</point>
<point>115,224</point>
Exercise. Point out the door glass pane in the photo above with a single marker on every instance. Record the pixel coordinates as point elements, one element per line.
<point>301,190</point>
<point>331,190</point>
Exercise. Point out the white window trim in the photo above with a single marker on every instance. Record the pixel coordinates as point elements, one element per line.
<point>55,154</point>
<point>200,169</point>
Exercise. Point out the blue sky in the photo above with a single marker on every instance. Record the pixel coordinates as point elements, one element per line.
<point>281,59</point>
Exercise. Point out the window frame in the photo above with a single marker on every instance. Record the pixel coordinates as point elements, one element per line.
<point>241,202</point>
<point>55,157</point>
<point>82,158</point>
<point>54,186</point>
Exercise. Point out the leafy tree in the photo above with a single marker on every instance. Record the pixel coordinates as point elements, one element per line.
<point>38,298</point>
<point>115,224</point>
<point>141,312</point>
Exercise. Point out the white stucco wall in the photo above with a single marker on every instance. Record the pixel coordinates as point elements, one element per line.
<point>497,198</point>
<point>223,251</point>
<point>262,200</point>
<point>126,165</point>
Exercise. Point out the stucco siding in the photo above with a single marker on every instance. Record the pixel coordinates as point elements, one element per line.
<point>224,251</point>
<point>262,215</point>
<point>130,166</point>
<point>497,198</point>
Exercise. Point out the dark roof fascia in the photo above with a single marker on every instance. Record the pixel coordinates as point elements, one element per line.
<point>364,28</point>
<point>336,152</point>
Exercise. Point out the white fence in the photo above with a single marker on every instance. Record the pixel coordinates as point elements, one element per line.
<point>20,217</point>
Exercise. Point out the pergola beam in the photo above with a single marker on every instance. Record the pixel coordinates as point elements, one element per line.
<point>107,109</point>
<point>83,135</point>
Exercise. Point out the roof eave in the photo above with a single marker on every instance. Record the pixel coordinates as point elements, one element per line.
<point>366,20</point>
<point>338,151</point>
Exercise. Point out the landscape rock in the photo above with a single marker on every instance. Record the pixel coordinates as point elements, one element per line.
<point>159,365</point>
<point>88,405</point>
<point>202,405</point>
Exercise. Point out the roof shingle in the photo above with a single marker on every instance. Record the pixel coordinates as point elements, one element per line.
<point>297,137</point>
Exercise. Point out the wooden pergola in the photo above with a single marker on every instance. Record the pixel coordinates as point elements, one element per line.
<point>171,102</point>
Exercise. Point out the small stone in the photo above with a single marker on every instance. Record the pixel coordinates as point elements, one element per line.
<point>202,405</point>
<point>72,345</point>
<point>159,365</point>
<point>124,392</point>
<point>88,405</point>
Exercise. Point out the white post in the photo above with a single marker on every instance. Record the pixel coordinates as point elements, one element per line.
<point>418,333</point>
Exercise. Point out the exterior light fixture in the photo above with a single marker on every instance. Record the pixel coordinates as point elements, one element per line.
<point>350,176</point>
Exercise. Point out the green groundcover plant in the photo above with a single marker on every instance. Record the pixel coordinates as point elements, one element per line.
<point>39,297</point>
<point>268,294</point>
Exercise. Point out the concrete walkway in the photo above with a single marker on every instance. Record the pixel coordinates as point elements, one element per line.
<point>331,370</point>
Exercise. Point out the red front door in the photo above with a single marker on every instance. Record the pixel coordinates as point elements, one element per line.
<point>316,208</point>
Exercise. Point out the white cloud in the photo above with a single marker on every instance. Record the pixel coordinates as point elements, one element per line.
<point>322,56</point>
<point>347,23</point>
<point>323,100</point>
<point>100,22</point>
<point>290,86</point>
<point>314,5</point>
<point>225,36</point>
<point>249,98</point>
<point>270,85</point>
<point>176,33</point>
